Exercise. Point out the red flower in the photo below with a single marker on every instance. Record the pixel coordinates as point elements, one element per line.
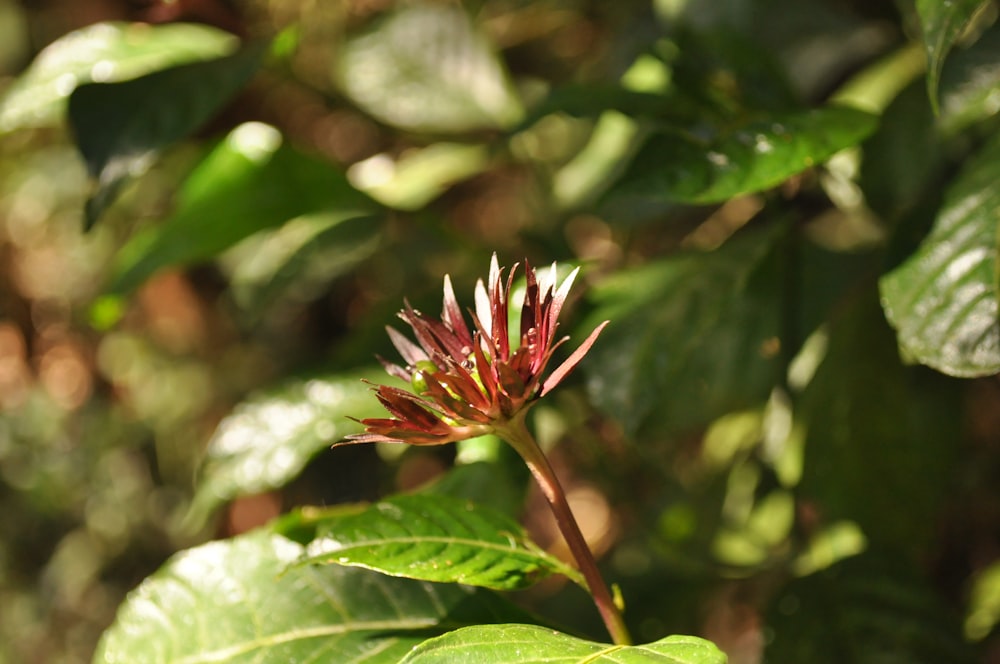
<point>471,381</point>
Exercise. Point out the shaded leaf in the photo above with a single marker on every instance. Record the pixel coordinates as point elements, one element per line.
<point>488,472</point>
<point>435,538</point>
<point>269,438</point>
<point>120,127</point>
<point>530,644</point>
<point>943,299</point>
<point>970,83</point>
<point>698,320</point>
<point>238,601</point>
<point>251,181</point>
<point>865,610</point>
<point>683,167</point>
<point>426,68</point>
<point>103,52</point>
<point>902,157</point>
<point>592,100</point>
<point>943,22</point>
<point>876,431</point>
<point>295,261</point>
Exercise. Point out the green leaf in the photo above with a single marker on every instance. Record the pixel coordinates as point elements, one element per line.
<point>698,320</point>
<point>969,83</point>
<point>943,299</point>
<point>120,127</point>
<point>269,438</point>
<point>103,52</point>
<point>530,644</point>
<point>591,100</point>
<point>250,182</point>
<point>943,22</point>
<point>682,167</point>
<point>426,68</point>
<point>239,601</point>
<point>435,538</point>
<point>296,261</point>
<point>903,156</point>
<point>878,434</point>
<point>866,610</point>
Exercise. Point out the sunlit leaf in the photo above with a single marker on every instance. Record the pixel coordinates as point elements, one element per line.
<point>943,22</point>
<point>270,437</point>
<point>943,299</point>
<point>427,68</point>
<point>103,52</point>
<point>530,644</point>
<point>697,320</point>
<point>121,126</point>
<point>882,613</point>
<point>418,176</point>
<point>683,167</point>
<point>435,538</point>
<point>239,601</point>
<point>984,603</point>
<point>250,182</point>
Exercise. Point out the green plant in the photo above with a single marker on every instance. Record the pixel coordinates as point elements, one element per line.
<point>778,432</point>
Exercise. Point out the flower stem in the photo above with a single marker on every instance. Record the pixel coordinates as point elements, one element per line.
<point>517,434</point>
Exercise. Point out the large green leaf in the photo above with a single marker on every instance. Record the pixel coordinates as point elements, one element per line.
<point>878,435</point>
<point>530,644</point>
<point>103,52</point>
<point>943,22</point>
<point>120,127</point>
<point>684,167</point>
<point>239,601</point>
<point>427,68</point>
<point>250,182</point>
<point>865,610</point>
<point>943,299</point>
<point>435,538</point>
<point>687,342</point>
<point>269,438</point>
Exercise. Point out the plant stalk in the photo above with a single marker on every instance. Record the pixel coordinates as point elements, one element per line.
<point>516,433</point>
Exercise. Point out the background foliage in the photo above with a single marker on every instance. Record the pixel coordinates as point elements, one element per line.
<point>786,442</point>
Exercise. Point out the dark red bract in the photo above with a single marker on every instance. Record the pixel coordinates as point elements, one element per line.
<point>469,381</point>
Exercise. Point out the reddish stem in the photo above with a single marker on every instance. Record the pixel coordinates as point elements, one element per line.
<point>517,434</point>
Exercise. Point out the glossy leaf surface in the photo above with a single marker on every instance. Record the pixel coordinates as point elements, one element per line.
<point>529,644</point>
<point>250,182</point>
<point>696,319</point>
<point>943,22</point>
<point>426,68</point>
<point>943,299</point>
<point>269,438</point>
<point>238,601</point>
<point>120,127</point>
<point>683,167</point>
<point>435,538</point>
<point>103,52</point>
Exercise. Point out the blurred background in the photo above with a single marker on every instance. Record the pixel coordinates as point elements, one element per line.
<point>125,349</point>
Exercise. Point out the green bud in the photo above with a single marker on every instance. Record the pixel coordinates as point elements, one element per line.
<point>419,377</point>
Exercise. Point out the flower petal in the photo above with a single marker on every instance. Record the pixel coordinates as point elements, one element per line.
<point>451,314</point>
<point>563,370</point>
